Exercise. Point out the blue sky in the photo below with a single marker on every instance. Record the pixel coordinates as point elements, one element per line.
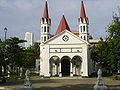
<point>21,16</point>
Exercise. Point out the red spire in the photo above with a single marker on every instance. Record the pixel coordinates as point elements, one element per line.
<point>82,13</point>
<point>63,25</point>
<point>45,15</point>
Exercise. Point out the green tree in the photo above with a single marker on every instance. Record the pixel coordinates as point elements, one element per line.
<point>114,44</point>
<point>99,53</point>
<point>107,52</point>
<point>32,53</point>
<point>1,56</point>
<point>15,52</point>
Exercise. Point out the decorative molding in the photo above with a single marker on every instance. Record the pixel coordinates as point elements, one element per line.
<point>65,38</point>
<point>66,50</point>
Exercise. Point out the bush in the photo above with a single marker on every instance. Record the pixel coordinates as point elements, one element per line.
<point>34,74</point>
<point>118,77</point>
<point>94,74</point>
<point>13,77</point>
<point>14,72</point>
<point>115,77</point>
<point>104,74</point>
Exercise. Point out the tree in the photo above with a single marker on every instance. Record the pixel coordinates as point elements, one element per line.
<point>107,52</point>
<point>99,53</point>
<point>32,53</point>
<point>15,52</point>
<point>114,44</point>
<point>17,55</point>
<point>1,57</point>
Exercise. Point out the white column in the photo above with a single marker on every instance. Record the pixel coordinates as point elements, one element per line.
<point>71,69</point>
<point>55,69</point>
<point>60,74</point>
<point>74,69</point>
<point>41,71</point>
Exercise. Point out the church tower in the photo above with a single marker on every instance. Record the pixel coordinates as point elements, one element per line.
<point>45,25</point>
<point>83,23</point>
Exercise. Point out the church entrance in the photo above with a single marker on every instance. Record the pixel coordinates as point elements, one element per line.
<point>65,67</point>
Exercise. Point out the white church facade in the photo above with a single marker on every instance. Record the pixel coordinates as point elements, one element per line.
<point>65,53</point>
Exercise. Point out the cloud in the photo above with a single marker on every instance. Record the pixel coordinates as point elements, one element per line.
<point>24,15</point>
<point>4,4</point>
<point>23,4</point>
<point>16,4</point>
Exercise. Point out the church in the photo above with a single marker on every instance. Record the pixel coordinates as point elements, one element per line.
<point>67,52</point>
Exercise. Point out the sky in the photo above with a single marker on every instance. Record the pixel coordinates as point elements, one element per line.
<point>21,16</point>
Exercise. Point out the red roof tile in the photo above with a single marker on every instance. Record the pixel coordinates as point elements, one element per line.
<point>63,25</point>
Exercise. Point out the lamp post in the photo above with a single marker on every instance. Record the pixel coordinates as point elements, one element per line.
<point>5,31</point>
<point>4,70</point>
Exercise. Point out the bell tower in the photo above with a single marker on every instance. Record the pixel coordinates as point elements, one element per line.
<point>45,23</point>
<point>83,23</point>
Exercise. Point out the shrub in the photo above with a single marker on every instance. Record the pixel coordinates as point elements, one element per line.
<point>14,72</point>
<point>115,77</point>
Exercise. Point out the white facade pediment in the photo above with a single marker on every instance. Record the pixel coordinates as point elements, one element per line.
<point>65,37</point>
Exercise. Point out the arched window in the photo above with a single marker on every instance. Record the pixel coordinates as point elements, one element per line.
<point>45,38</point>
<point>81,36</point>
<point>44,28</point>
<point>81,28</point>
<point>48,29</point>
<point>41,38</point>
<point>84,28</point>
<point>84,38</point>
<point>87,28</point>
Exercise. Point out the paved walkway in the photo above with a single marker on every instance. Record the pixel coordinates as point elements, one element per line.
<point>62,83</point>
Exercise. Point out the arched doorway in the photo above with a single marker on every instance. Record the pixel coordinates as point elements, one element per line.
<point>65,66</point>
<point>54,66</point>
<point>77,62</point>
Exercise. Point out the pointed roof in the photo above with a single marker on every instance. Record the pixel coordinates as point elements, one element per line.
<point>63,25</point>
<point>45,15</point>
<point>82,13</point>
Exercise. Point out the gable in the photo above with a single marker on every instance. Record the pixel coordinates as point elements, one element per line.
<point>66,37</point>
